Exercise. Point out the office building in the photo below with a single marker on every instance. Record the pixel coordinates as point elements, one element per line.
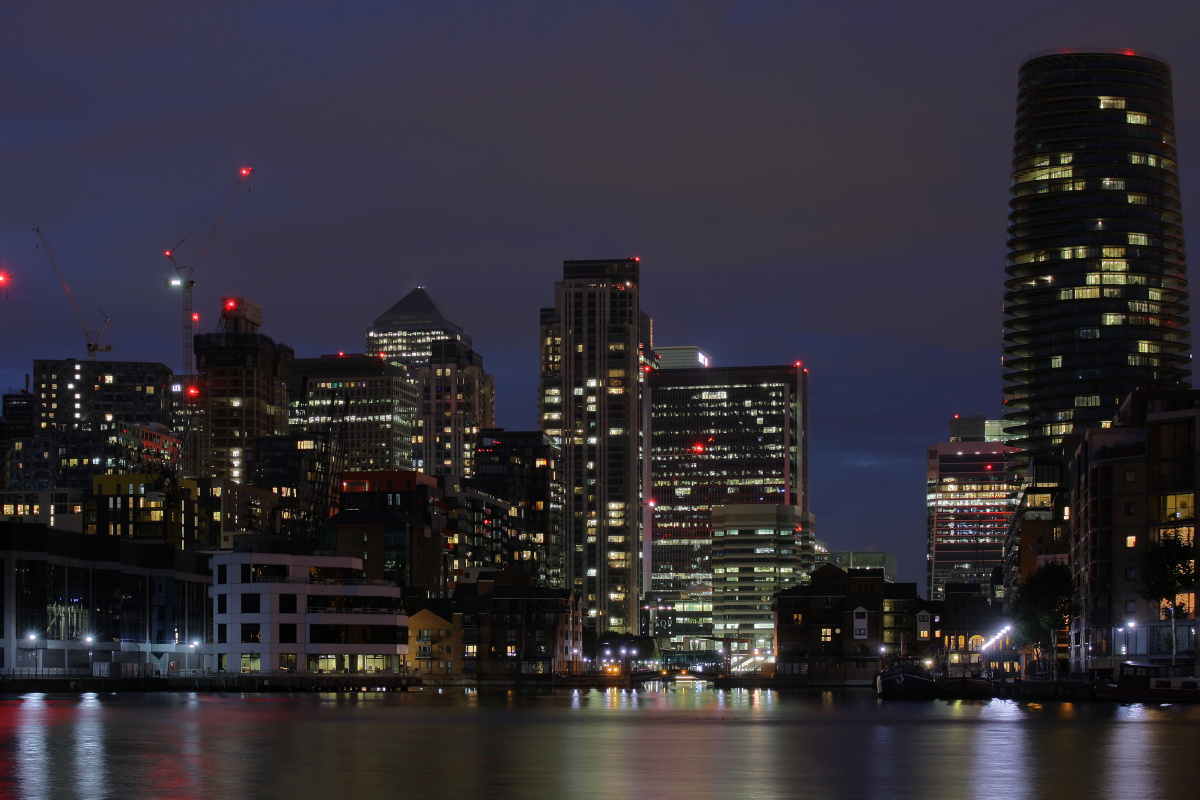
<point>93,396</point>
<point>405,333</point>
<point>365,404</point>
<point>1096,301</point>
<point>864,559</point>
<point>595,341</point>
<point>719,436</point>
<point>682,357</point>
<point>756,554</point>
<point>456,398</point>
<point>241,391</point>
<point>114,606</point>
<point>966,500</point>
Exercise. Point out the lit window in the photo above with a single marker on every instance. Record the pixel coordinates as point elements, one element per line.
<point>1137,119</point>
<point>1112,102</point>
<point>1131,541</point>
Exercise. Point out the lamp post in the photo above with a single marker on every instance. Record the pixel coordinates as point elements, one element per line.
<point>1128,626</point>
<point>88,639</point>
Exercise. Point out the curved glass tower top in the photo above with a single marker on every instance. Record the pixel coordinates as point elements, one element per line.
<point>1096,291</point>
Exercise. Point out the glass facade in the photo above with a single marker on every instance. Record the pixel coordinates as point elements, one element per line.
<point>966,501</point>
<point>1096,292</point>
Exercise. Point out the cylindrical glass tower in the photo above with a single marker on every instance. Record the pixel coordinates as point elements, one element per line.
<point>1096,291</point>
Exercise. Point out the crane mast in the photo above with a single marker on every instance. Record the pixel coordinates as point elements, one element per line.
<point>185,272</point>
<point>92,337</point>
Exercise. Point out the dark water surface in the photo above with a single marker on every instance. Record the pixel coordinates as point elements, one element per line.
<point>689,742</point>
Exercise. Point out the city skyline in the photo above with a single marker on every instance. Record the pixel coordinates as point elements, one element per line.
<point>784,175</point>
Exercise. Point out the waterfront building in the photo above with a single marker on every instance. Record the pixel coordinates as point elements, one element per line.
<point>405,333</point>
<point>832,631</point>
<point>595,342</point>
<point>366,405</point>
<point>71,459</point>
<point>1131,485</point>
<point>1096,294</point>
<point>966,501</point>
<point>756,553</point>
<point>240,393</point>
<point>524,469</point>
<point>101,605</point>
<point>296,614</point>
<point>719,436</point>
<point>456,399</point>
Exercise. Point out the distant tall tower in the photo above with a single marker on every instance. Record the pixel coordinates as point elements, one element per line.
<point>595,341</point>
<point>405,333</point>
<point>1096,301</point>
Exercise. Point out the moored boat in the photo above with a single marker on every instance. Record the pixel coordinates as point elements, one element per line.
<point>1142,682</point>
<point>905,681</point>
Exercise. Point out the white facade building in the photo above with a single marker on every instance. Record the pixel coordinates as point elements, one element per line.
<point>275,612</point>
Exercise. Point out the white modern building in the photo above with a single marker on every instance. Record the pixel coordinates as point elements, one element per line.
<point>274,612</point>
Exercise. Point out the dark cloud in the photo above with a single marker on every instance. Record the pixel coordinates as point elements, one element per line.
<point>803,180</point>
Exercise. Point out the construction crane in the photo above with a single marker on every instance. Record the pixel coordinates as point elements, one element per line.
<point>93,337</point>
<point>185,273</point>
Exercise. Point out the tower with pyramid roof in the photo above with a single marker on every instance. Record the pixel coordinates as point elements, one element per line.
<point>406,331</point>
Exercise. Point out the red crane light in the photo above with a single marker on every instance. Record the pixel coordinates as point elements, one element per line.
<point>167,253</point>
<point>192,391</point>
<point>699,448</point>
<point>246,171</point>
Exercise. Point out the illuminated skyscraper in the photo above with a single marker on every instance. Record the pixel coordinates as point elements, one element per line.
<point>594,344</point>
<point>406,332</point>
<point>721,436</point>
<point>967,492</point>
<point>1096,301</point>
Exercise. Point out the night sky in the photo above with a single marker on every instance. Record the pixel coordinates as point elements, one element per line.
<point>803,181</point>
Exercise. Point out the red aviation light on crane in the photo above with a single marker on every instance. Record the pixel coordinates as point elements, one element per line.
<point>192,391</point>
<point>246,171</point>
<point>698,448</point>
<point>195,316</point>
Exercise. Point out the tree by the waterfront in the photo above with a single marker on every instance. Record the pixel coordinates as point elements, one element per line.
<point>1167,568</point>
<point>1044,605</point>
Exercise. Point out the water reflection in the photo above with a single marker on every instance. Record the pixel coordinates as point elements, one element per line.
<point>661,741</point>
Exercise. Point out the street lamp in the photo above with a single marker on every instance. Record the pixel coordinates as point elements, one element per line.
<point>88,639</point>
<point>1128,626</point>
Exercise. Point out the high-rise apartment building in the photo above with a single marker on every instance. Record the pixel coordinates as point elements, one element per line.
<point>1096,300</point>
<point>966,502</point>
<point>524,469</point>
<point>718,436</point>
<point>76,395</point>
<point>406,331</point>
<point>595,342</point>
<point>456,399</point>
<point>365,404</point>
<point>241,391</point>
